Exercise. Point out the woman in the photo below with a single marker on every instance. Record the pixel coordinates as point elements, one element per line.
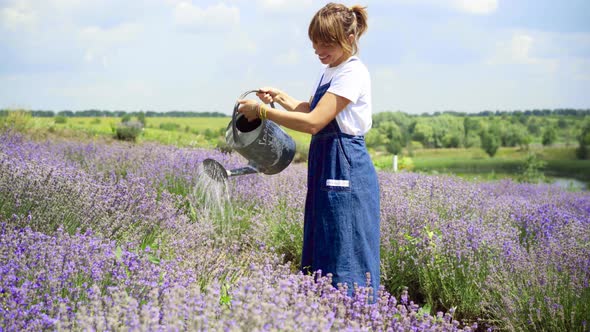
<point>341,226</point>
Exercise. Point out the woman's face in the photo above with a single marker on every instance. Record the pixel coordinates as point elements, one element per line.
<point>329,54</point>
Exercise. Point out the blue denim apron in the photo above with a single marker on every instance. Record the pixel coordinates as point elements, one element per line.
<point>341,224</point>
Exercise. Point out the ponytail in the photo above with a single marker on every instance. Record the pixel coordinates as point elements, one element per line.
<point>360,13</point>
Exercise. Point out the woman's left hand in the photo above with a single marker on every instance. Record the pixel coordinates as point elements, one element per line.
<point>249,108</point>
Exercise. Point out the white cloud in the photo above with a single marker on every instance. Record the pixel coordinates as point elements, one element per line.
<point>476,6</point>
<point>100,42</point>
<point>16,18</point>
<point>118,34</point>
<point>479,7</point>
<point>219,17</point>
<point>519,50</point>
<point>520,47</point>
<point>284,5</point>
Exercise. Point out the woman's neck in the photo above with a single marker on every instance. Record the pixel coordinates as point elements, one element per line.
<point>340,61</point>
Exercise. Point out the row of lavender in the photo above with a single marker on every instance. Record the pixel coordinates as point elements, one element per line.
<point>113,236</point>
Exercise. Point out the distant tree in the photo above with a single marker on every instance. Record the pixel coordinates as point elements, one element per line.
<point>583,150</point>
<point>512,134</point>
<point>531,170</point>
<point>451,140</point>
<point>66,113</point>
<point>472,140</point>
<point>549,136</point>
<point>490,141</point>
<point>394,136</point>
<point>533,126</point>
<point>374,138</point>
<point>424,134</point>
<point>42,114</point>
<point>525,142</point>
<point>141,118</point>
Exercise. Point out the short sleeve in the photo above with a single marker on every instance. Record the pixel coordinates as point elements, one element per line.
<point>347,82</point>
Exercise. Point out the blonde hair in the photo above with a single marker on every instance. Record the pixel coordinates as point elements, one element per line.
<point>333,23</point>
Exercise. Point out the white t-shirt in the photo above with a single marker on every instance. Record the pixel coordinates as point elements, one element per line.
<point>352,81</point>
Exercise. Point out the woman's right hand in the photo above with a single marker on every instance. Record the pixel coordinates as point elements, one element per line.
<point>267,94</point>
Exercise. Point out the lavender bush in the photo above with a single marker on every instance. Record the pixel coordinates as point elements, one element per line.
<point>116,236</point>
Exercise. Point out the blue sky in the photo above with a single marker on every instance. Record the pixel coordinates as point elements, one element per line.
<point>423,55</point>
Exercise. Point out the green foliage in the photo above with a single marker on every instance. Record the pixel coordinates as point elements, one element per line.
<point>490,141</point>
<point>391,131</point>
<point>472,140</point>
<point>440,131</point>
<point>525,142</point>
<point>471,125</point>
<point>169,126</point>
<point>405,164</point>
<point>549,136</point>
<point>533,126</point>
<point>583,151</point>
<point>451,140</point>
<point>18,120</point>
<point>126,118</point>
<point>141,118</point>
<point>60,119</point>
<point>532,169</point>
<point>128,131</point>
<point>512,134</point>
<point>424,134</point>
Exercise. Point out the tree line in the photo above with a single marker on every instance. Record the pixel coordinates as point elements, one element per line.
<point>396,132</point>
<point>183,114</point>
<point>120,113</point>
<point>399,132</point>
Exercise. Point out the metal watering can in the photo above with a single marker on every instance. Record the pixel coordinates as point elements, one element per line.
<point>266,146</point>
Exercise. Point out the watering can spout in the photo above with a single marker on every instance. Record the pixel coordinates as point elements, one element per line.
<point>217,172</point>
<point>243,171</point>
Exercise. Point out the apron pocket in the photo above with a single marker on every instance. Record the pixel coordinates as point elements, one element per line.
<point>336,168</point>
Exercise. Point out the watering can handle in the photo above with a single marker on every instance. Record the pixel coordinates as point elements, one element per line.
<point>235,113</point>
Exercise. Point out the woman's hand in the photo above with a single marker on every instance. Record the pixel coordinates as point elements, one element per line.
<point>268,94</point>
<point>249,108</point>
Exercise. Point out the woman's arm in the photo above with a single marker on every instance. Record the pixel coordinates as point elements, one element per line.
<point>289,103</point>
<point>311,122</point>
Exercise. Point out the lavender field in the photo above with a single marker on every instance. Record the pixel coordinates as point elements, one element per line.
<point>116,236</point>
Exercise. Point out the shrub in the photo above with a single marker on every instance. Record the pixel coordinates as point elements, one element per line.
<point>126,118</point>
<point>60,119</point>
<point>405,163</point>
<point>531,170</point>
<point>128,131</point>
<point>549,136</point>
<point>583,150</point>
<point>18,120</point>
<point>490,142</point>
<point>169,126</point>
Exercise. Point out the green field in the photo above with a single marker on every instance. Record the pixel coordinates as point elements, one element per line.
<point>208,132</point>
<point>166,130</point>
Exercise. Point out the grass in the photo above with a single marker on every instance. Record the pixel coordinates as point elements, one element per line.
<point>209,132</point>
<point>165,130</point>
<point>560,161</point>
